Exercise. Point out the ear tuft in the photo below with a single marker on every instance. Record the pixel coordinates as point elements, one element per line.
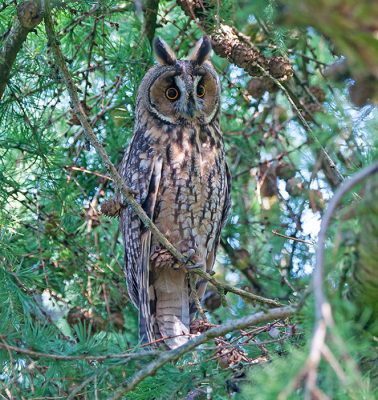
<point>163,53</point>
<point>201,51</point>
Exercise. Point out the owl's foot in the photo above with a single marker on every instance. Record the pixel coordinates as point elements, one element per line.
<point>189,256</point>
<point>199,265</point>
<point>161,258</point>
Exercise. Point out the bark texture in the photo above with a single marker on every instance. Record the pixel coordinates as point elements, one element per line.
<point>28,17</point>
<point>228,43</point>
<point>150,14</point>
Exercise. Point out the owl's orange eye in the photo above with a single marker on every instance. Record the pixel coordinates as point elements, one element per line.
<point>171,93</point>
<point>201,91</point>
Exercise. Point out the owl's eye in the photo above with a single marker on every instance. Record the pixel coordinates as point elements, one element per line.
<point>201,90</point>
<point>172,93</point>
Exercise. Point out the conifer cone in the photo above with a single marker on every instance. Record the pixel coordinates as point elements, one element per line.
<point>269,85</point>
<point>199,326</point>
<point>279,68</point>
<point>228,356</point>
<point>256,88</point>
<point>74,120</point>
<point>111,207</point>
<point>211,300</point>
<point>318,93</point>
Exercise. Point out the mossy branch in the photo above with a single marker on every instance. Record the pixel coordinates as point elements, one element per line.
<point>173,355</point>
<point>28,17</point>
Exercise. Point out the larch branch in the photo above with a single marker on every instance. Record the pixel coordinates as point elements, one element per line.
<point>28,17</point>
<point>173,355</point>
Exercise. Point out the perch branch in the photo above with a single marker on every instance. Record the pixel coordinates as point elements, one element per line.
<point>240,292</point>
<point>172,355</point>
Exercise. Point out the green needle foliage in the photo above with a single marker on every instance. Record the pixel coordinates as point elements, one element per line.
<point>64,305</point>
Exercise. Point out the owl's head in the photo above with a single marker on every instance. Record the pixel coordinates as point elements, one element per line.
<point>180,91</point>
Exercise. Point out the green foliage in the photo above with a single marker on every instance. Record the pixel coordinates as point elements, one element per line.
<point>62,285</point>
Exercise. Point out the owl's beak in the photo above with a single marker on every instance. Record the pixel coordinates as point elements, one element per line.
<point>191,105</point>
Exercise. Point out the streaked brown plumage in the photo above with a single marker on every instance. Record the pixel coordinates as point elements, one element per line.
<point>176,163</point>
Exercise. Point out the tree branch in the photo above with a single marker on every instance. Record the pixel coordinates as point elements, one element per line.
<point>150,8</point>
<point>173,355</point>
<point>28,17</point>
<point>323,310</point>
<point>228,288</point>
<point>320,299</point>
<point>37,354</point>
<point>79,111</point>
<point>226,40</point>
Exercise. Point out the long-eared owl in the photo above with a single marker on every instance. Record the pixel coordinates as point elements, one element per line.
<point>176,164</point>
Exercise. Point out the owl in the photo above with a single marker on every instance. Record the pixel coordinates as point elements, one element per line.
<point>177,167</point>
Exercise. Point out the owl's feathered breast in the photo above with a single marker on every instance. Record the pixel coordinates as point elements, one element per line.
<point>188,204</point>
<point>192,190</point>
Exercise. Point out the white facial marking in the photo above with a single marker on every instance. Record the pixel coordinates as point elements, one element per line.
<point>181,104</point>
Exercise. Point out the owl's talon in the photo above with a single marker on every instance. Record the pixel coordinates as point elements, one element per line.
<point>199,265</point>
<point>190,254</point>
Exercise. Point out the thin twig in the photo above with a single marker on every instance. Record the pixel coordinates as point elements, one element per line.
<point>293,238</point>
<point>82,169</point>
<point>82,385</point>
<point>130,356</point>
<point>302,119</point>
<point>192,280</point>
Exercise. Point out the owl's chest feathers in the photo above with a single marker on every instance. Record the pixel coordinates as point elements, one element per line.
<point>191,160</point>
<point>191,149</point>
<point>192,187</point>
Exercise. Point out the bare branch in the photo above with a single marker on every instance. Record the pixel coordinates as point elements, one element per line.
<point>228,288</point>
<point>293,238</point>
<point>28,17</point>
<point>221,330</point>
<point>323,310</point>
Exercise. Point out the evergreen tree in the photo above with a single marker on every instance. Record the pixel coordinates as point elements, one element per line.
<point>281,319</point>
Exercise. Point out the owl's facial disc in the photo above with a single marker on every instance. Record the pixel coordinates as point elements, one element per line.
<point>184,92</point>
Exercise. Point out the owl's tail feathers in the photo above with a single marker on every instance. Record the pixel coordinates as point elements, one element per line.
<point>172,317</point>
<point>170,309</point>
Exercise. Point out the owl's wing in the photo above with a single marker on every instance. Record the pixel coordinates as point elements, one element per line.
<point>225,213</point>
<point>141,170</point>
<point>202,283</point>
